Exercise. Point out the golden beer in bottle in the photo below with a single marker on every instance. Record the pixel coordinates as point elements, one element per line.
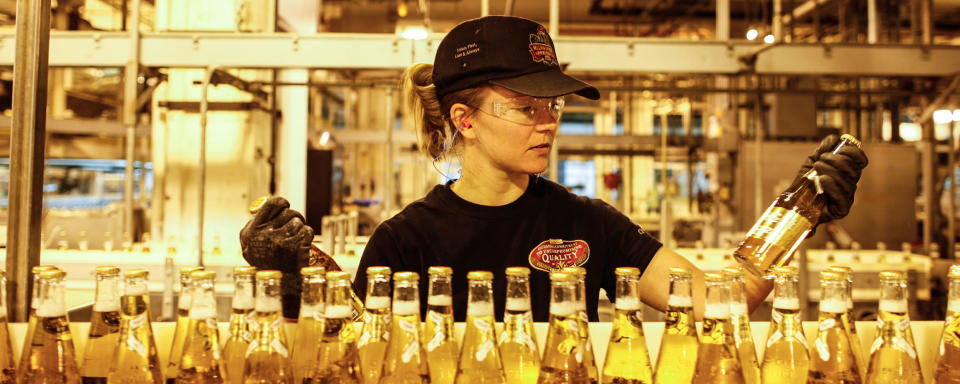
<point>242,323</point>
<point>438,338</point>
<point>781,228</point>
<point>338,359</point>
<point>678,346</point>
<point>948,358</point>
<point>200,362</point>
<point>376,323</point>
<point>268,358</point>
<point>405,361</point>
<point>627,361</point>
<point>8,371</point>
<point>786,358</point>
<point>563,353</point>
<point>518,342</point>
<point>849,322</point>
<point>183,321</point>
<point>893,355</point>
<point>303,355</point>
<point>832,357</point>
<point>52,358</point>
<point>740,319</point>
<point>135,356</point>
<point>104,332</point>
<point>32,320</point>
<point>589,359</point>
<point>717,360</point>
<point>480,358</point>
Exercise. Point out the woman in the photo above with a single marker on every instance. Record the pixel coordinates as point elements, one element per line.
<point>494,96</point>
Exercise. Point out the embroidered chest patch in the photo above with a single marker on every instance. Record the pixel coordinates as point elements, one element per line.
<point>555,254</point>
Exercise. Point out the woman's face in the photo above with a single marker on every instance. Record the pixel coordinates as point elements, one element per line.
<point>511,146</point>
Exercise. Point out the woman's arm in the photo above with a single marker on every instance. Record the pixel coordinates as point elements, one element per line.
<point>655,283</point>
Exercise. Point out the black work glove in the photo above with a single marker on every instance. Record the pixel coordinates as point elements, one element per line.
<point>277,238</point>
<point>839,173</point>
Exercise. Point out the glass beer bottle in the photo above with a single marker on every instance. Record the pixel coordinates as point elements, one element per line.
<point>627,360</point>
<point>8,369</point>
<point>52,358</point>
<point>717,361</point>
<point>849,322</point>
<point>589,359</point>
<point>242,323</point>
<point>104,332</point>
<point>893,356</point>
<point>679,344</point>
<point>405,361</point>
<point>376,323</point>
<point>786,358</point>
<point>183,320</point>
<point>303,355</point>
<point>832,359</point>
<point>563,353</point>
<point>480,358</point>
<point>32,320</point>
<point>200,362</point>
<point>268,359</point>
<point>781,228</point>
<point>338,359</point>
<point>518,343</point>
<point>135,356</point>
<point>740,319</point>
<point>438,338</point>
<point>948,358</point>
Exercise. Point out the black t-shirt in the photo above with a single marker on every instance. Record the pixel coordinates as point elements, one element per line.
<point>444,229</point>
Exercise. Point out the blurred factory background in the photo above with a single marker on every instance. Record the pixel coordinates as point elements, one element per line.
<point>165,118</point>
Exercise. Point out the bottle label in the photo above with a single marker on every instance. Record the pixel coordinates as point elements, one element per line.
<point>780,226</point>
<point>138,321</point>
<point>412,350</point>
<point>278,346</point>
<point>364,339</point>
<point>134,344</point>
<point>435,317</point>
<point>252,347</point>
<point>408,326</point>
<point>435,342</point>
<point>484,349</point>
<point>481,324</point>
<point>822,349</point>
<point>212,324</point>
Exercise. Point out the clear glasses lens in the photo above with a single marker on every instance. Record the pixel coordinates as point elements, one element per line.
<point>528,110</point>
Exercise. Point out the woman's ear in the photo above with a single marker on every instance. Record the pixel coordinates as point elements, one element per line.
<point>460,116</point>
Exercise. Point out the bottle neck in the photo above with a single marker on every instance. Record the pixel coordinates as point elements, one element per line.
<point>953,298</point>
<point>311,298</point>
<point>338,300</point>
<point>833,297</point>
<point>785,298</point>
<point>203,305</point>
<point>480,298</point>
<point>108,294</point>
<point>680,292</point>
<point>518,294</point>
<point>628,293</point>
<point>717,301</point>
<point>406,298</point>
<point>268,296</point>
<point>893,297</point>
<point>738,298</point>
<point>52,302</point>
<point>378,292</point>
<point>243,299</point>
<point>563,298</point>
<point>185,294</point>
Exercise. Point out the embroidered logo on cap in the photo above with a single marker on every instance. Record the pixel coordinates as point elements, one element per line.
<point>540,48</point>
<point>555,254</point>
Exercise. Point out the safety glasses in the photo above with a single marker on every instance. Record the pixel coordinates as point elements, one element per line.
<point>526,110</point>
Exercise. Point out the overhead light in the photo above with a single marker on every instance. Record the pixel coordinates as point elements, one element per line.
<point>325,138</point>
<point>942,116</point>
<point>769,39</point>
<point>752,34</point>
<point>414,33</point>
<point>402,9</point>
<point>956,115</point>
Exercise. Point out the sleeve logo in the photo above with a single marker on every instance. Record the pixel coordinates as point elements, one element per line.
<point>556,254</point>
<point>540,48</point>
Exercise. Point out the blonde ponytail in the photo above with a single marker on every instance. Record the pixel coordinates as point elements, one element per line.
<point>430,112</point>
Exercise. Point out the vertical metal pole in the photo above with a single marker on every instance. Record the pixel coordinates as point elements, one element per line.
<point>952,199</point>
<point>130,74</point>
<point>27,144</point>
<point>927,170</point>
<point>388,187</point>
<point>202,187</point>
<point>777,20</point>
<point>873,27</point>
<point>758,160</point>
<point>723,20</point>
<point>484,8</point>
<point>926,20</point>
<point>554,18</point>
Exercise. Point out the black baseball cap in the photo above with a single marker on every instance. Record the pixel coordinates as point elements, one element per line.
<point>512,52</point>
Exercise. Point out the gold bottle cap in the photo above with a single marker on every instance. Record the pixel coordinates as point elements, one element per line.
<point>518,271</point>
<point>681,272</point>
<point>851,139</point>
<point>627,271</point>
<point>786,271</point>
<point>186,271</point>
<point>40,268</point>
<point>841,268</point>
<point>107,271</point>
<point>406,276</point>
<point>313,271</point>
<point>830,275</point>
<point>954,271</point>
<point>269,274</point>
<point>337,276</point>
<point>244,270</point>
<point>562,276</point>
<point>378,270</point>
<point>52,274</point>
<point>136,273</point>
<point>480,275</point>
<point>892,275</point>
<point>440,270</point>
<point>256,204</point>
<point>576,271</point>
<point>733,272</point>
<point>203,275</point>
<point>714,277</point>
